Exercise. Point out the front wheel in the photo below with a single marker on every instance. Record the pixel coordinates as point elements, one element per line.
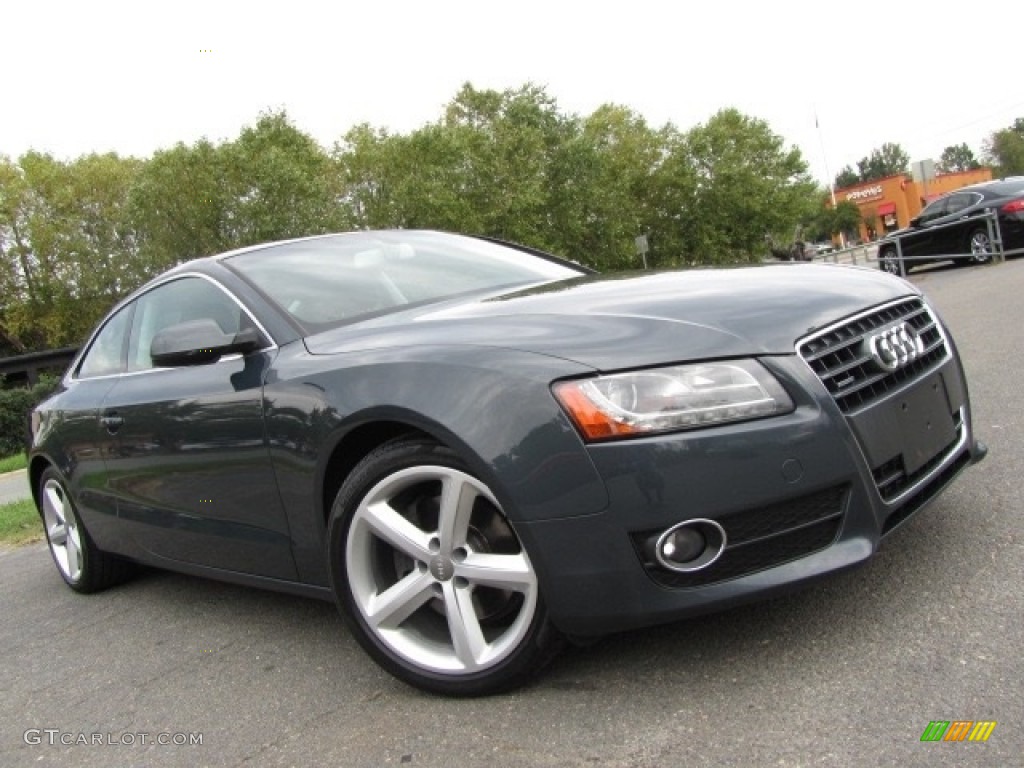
<point>431,576</point>
<point>889,262</point>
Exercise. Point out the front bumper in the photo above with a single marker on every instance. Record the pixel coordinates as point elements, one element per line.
<point>796,494</point>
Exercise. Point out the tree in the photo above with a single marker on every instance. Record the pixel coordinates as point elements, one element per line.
<point>748,184</point>
<point>179,205</point>
<point>602,193</point>
<point>847,178</point>
<point>957,158</point>
<point>68,245</point>
<point>887,160</point>
<point>1005,149</point>
<point>845,218</point>
<point>279,184</point>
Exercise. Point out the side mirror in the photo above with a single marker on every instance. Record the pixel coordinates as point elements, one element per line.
<point>199,341</point>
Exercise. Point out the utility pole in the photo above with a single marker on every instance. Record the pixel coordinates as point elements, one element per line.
<point>828,174</point>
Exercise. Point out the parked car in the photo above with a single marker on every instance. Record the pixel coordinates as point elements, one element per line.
<point>953,227</point>
<point>479,451</point>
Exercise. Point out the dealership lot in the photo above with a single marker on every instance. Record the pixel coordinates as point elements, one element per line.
<point>849,672</point>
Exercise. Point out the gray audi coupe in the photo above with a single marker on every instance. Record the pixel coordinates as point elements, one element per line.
<point>480,451</point>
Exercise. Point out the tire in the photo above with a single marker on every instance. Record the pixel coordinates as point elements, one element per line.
<point>432,578</point>
<point>83,566</point>
<point>889,262</point>
<point>979,244</point>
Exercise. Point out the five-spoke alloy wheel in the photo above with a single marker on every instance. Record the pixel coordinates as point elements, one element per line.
<point>83,566</point>
<point>432,576</point>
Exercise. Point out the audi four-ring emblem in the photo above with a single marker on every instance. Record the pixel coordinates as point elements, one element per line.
<point>895,347</point>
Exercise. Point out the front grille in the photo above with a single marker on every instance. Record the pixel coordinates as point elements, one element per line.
<point>840,358</point>
<point>892,478</point>
<point>761,538</point>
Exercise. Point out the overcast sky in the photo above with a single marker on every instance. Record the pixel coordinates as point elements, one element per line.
<point>136,76</point>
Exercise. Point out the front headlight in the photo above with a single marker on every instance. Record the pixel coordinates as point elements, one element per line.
<point>666,399</point>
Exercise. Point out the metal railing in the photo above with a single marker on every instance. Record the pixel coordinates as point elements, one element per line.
<point>869,253</point>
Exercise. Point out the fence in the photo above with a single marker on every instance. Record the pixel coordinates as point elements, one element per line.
<point>25,369</point>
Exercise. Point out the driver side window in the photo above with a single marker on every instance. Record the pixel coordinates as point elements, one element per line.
<point>106,355</point>
<point>179,301</point>
<point>933,211</point>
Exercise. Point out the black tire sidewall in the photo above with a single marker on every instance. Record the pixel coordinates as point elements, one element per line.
<point>536,647</point>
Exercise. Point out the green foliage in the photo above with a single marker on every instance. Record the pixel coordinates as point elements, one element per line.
<point>1005,149</point>
<point>956,158</point>
<point>827,221</point>
<point>68,245</point>
<point>748,184</point>
<point>77,236</point>
<point>13,462</point>
<point>19,522</point>
<point>847,178</point>
<point>887,160</point>
<point>15,405</point>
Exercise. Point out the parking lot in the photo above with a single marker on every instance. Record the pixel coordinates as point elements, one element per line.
<point>849,672</point>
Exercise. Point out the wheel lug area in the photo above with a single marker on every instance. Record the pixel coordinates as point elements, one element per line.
<point>459,554</point>
<point>461,582</point>
<point>434,545</point>
<point>438,589</point>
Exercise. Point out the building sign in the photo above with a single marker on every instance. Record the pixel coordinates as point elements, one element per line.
<point>863,195</point>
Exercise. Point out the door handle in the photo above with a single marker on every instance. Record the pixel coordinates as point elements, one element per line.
<point>112,422</point>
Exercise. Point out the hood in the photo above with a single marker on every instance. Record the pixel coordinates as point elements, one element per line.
<point>637,319</point>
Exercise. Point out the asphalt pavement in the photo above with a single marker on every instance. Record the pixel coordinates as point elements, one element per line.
<point>847,673</point>
<point>14,486</point>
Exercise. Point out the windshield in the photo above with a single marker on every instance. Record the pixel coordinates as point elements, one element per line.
<point>327,281</point>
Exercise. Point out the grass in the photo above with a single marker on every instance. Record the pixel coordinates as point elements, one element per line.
<point>11,463</point>
<point>19,523</point>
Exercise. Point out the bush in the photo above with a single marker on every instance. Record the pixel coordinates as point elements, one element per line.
<point>15,405</point>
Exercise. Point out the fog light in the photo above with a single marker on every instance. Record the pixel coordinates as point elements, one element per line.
<point>690,546</point>
<point>683,545</point>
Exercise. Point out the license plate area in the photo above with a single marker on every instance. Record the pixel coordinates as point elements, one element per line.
<point>924,418</point>
<point>912,426</point>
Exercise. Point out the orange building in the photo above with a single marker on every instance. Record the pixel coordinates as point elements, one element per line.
<point>890,203</point>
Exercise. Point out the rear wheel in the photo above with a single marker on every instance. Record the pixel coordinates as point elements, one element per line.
<point>980,245</point>
<point>83,566</point>
<point>431,576</point>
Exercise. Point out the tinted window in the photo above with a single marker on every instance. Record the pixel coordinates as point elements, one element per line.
<point>179,301</point>
<point>324,282</point>
<point>958,202</point>
<point>934,210</point>
<point>106,355</point>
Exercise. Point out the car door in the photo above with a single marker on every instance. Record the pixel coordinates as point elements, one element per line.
<point>190,468</point>
<point>920,241</point>
<point>953,237</point>
<point>84,443</point>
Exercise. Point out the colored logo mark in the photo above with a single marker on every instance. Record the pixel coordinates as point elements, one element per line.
<point>958,730</point>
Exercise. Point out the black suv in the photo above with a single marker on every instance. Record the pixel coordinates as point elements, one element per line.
<point>967,239</point>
